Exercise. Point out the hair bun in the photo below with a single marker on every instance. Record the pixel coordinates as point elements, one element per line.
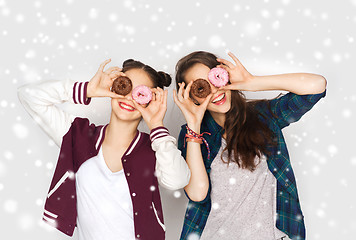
<point>165,78</point>
<point>128,61</point>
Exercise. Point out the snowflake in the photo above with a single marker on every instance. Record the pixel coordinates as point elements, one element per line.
<point>232,181</point>
<point>38,163</point>
<point>177,194</point>
<point>49,165</point>
<point>215,41</point>
<point>26,222</point>
<point>320,213</point>
<point>318,55</point>
<point>346,113</point>
<point>93,13</point>
<point>332,149</point>
<point>215,206</point>
<point>193,236</point>
<point>30,54</point>
<point>20,130</point>
<point>10,206</point>
<point>276,24</point>
<point>253,28</point>
<point>265,13</point>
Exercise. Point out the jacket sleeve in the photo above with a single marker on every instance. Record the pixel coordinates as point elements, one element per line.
<point>171,169</point>
<point>40,101</point>
<point>289,108</point>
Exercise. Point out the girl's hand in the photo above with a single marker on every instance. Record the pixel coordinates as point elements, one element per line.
<point>193,113</point>
<point>100,84</point>
<point>240,78</point>
<point>154,113</point>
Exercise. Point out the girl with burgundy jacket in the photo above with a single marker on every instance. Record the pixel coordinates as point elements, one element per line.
<point>106,179</point>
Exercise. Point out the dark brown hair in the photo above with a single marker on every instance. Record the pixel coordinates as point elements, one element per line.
<point>246,135</point>
<point>160,79</point>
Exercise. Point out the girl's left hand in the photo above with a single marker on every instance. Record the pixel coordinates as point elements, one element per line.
<point>154,113</point>
<point>240,78</point>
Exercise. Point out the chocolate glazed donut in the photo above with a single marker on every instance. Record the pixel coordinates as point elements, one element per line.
<point>200,88</point>
<point>122,85</point>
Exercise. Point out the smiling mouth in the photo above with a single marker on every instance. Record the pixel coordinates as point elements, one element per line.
<point>126,107</point>
<point>219,99</point>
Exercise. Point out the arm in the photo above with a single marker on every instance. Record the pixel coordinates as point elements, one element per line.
<point>305,90</point>
<point>171,169</point>
<point>198,186</point>
<point>40,101</point>
<point>298,83</point>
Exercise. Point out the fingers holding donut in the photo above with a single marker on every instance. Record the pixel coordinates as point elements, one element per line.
<point>112,69</point>
<point>102,65</point>
<point>187,90</point>
<point>157,93</point>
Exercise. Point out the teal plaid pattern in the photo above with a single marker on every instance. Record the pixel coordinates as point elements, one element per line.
<point>276,114</point>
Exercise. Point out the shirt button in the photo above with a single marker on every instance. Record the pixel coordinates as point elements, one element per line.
<point>138,235</point>
<point>136,213</point>
<point>286,184</point>
<point>133,194</point>
<point>128,174</point>
<point>124,160</point>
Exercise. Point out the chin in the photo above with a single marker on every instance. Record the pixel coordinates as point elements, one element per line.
<point>219,109</point>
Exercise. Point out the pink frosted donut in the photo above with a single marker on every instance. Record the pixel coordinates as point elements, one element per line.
<point>142,94</point>
<point>218,77</point>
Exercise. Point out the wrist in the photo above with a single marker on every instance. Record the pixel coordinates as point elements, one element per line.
<point>155,125</point>
<point>195,127</point>
<point>89,91</point>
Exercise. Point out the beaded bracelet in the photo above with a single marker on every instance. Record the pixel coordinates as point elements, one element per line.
<point>195,137</point>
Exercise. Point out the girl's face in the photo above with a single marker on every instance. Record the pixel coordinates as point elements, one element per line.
<point>124,108</point>
<point>221,100</point>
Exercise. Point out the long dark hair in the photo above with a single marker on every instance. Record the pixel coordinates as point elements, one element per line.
<point>159,78</point>
<point>246,135</point>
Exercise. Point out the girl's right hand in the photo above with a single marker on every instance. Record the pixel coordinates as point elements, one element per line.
<point>100,84</point>
<point>193,113</point>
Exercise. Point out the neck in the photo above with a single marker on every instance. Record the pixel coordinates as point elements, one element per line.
<point>118,132</point>
<point>219,118</point>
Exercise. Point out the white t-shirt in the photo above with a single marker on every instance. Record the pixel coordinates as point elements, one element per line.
<point>104,204</point>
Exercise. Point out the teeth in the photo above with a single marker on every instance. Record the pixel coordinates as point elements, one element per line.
<point>219,98</point>
<point>126,107</point>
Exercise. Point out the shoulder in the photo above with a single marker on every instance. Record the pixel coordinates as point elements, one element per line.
<point>83,127</point>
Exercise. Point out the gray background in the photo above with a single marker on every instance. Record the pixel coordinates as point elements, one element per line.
<point>69,39</point>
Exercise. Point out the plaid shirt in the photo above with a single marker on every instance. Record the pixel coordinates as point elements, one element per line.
<point>280,113</point>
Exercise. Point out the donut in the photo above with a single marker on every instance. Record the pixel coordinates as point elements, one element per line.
<point>200,88</point>
<point>142,94</point>
<point>122,85</point>
<point>218,77</point>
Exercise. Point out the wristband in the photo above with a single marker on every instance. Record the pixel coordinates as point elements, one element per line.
<point>195,137</point>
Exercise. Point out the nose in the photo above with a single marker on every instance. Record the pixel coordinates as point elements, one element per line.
<point>213,88</point>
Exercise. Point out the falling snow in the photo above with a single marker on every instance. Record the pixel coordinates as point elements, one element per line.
<point>10,206</point>
<point>69,39</point>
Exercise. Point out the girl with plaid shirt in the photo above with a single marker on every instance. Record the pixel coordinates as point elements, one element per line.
<point>242,185</point>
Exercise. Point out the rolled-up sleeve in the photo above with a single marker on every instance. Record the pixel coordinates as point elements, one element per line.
<point>290,107</point>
